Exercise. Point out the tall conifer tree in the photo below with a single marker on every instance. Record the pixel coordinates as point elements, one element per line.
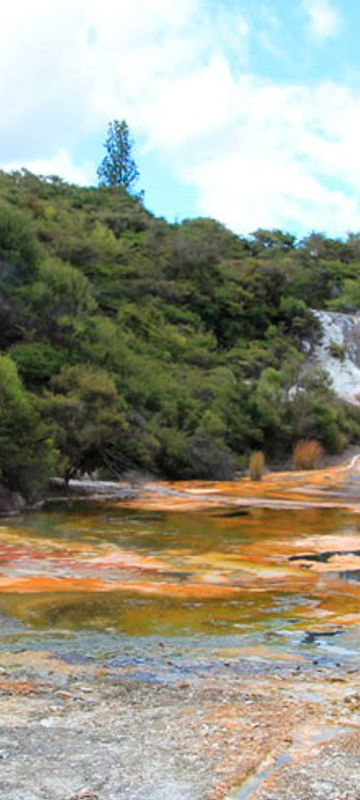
<point>118,168</point>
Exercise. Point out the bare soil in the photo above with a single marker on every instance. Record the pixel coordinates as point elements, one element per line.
<point>176,726</point>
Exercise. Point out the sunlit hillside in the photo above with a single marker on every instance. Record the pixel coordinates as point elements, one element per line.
<point>131,343</point>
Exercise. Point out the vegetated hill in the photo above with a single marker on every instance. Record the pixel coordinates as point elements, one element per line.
<point>127,342</point>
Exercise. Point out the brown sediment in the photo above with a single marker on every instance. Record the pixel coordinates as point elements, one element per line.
<point>37,584</point>
<point>9,687</point>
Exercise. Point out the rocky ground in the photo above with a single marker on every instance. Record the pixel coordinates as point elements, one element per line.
<point>107,719</point>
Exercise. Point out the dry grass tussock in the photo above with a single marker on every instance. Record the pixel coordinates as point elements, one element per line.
<point>307,453</point>
<point>256,466</point>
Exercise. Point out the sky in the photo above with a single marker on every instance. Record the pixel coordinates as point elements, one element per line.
<point>247,111</point>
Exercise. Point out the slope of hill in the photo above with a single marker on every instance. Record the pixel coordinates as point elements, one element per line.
<point>130,343</point>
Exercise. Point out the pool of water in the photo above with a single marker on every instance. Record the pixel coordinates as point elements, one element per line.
<point>282,577</point>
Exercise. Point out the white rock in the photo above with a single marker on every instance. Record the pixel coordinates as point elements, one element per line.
<point>342,330</point>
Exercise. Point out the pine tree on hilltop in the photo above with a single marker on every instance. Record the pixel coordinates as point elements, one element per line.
<point>118,168</point>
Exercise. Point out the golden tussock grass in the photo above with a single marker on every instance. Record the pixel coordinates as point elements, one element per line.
<point>256,466</point>
<point>307,453</point>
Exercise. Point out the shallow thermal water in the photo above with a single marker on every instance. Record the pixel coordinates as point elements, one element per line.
<point>284,578</point>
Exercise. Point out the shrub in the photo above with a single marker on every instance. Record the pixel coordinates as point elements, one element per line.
<point>19,250</point>
<point>27,454</point>
<point>338,350</point>
<point>257,466</point>
<point>307,453</point>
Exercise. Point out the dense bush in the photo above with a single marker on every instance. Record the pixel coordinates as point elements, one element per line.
<point>27,452</point>
<point>130,343</point>
<point>18,245</point>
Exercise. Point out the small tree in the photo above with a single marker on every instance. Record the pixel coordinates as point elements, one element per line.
<point>118,168</point>
<point>88,414</point>
<point>27,453</point>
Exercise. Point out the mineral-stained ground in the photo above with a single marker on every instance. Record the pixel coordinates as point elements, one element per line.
<point>105,715</point>
<point>169,721</point>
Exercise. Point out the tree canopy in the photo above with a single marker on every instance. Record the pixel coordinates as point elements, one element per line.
<point>130,343</point>
<point>118,167</point>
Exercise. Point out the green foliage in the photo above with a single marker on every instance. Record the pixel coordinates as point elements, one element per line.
<point>273,240</point>
<point>132,343</point>
<point>18,246</point>
<point>88,414</point>
<point>118,168</point>
<point>26,449</point>
<point>37,361</point>
<point>338,350</point>
<point>61,301</point>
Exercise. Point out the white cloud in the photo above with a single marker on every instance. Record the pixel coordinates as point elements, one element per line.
<point>61,163</point>
<point>68,67</point>
<point>191,108</point>
<point>291,161</point>
<point>260,153</point>
<point>325,20</point>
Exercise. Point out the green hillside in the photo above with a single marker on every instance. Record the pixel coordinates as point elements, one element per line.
<point>130,343</point>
